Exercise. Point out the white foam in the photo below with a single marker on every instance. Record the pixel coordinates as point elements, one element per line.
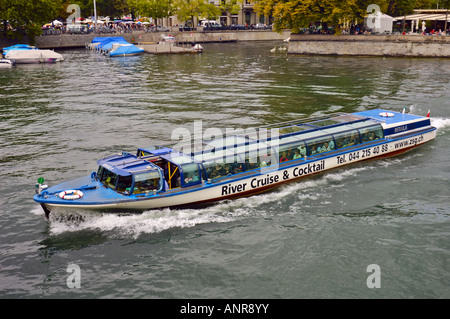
<point>440,123</point>
<point>156,221</point>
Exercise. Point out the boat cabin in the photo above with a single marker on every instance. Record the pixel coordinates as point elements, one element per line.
<point>128,175</point>
<point>162,168</point>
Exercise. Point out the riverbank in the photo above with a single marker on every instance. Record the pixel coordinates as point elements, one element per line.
<point>343,45</point>
<point>66,41</point>
<point>371,45</point>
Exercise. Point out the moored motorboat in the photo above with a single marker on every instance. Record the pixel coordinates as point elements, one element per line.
<point>246,162</point>
<point>6,64</point>
<point>33,56</point>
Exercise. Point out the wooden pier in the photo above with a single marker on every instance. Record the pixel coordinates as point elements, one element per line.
<point>165,48</point>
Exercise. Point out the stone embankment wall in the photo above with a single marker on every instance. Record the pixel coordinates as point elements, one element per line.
<point>77,41</point>
<point>371,45</point>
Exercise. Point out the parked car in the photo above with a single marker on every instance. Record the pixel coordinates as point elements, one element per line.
<point>160,28</point>
<point>237,27</point>
<point>105,30</point>
<point>260,26</point>
<point>185,27</point>
<point>214,27</point>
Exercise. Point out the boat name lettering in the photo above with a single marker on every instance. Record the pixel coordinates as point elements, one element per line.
<point>401,128</point>
<point>269,179</point>
<point>308,169</point>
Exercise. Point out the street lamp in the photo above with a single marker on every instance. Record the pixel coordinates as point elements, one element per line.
<point>95,16</point>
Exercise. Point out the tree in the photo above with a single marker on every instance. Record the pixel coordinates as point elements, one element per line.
<point>230,7</point>
<point>155,9</point>
<point>112,8</point>
<point>297,14</point>
<point>21,19</point>
<point>187,10</point>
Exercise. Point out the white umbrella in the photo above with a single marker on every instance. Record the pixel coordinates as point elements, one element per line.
<point>56,22</point>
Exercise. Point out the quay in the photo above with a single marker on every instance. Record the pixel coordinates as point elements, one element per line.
<point>371,45</point>
<point>163,48</point>
<point>65,41</point>
<point>299,44</point>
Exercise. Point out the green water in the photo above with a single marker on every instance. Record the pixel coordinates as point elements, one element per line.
<point>312,239</point>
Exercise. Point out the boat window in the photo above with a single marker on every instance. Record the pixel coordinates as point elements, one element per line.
<point>292,151</point>
<point>107,177</point>
<point>191,174</point>
<point>146,181</point>
<point>124,184</point>
<point>250,160</point>
<point>348,138</point>
<point>371,133</point>
<point>220,168</point>
<point>320,145</point>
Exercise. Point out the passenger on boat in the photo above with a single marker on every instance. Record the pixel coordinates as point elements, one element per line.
<point>297,154</point>
<point>302,150</point>
<point>331,145</point>
<point>354,139</point>
<point>283,157</point>
<point>369,137</point>
<point>217,171</point>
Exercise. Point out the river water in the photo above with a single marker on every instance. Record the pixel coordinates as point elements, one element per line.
<point>319,238</point>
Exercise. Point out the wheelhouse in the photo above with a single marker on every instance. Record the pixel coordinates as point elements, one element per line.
<point>126,174</point>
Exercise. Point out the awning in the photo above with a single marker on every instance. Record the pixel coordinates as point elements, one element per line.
<point>424,16</point>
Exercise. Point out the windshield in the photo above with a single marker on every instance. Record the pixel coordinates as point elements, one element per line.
<point>146,181</point>
<point>106,177</point>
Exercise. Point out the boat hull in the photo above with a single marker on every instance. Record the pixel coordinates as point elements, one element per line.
<point>259,180</point>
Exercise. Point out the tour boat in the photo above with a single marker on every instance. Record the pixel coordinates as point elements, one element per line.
<point>205,170</point>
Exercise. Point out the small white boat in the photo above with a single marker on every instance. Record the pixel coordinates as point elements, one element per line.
<point>197,48</point>
<point>168,39</point>
<point>34,56</point>
<point>6,63</point>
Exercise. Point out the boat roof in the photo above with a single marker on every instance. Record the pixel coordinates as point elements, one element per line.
<point>389,117</point>
<point>247,141</point>
<point>125,164</point>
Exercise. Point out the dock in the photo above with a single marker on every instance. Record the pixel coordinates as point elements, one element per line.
<point>164,48</point>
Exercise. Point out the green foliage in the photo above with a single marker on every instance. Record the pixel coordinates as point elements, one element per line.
<point>155,8</point>
<point>25,18</point>
<point>187,10</point>
<point>298,14</point>
<point>112,8</point>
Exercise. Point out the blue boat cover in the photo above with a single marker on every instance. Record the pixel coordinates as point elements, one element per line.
<point>106,43</point>
<point>18,47</point>
<point>126,50</point>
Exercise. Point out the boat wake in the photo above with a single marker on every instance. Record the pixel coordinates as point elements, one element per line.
<point>440,123</point>
<point>125,225</point>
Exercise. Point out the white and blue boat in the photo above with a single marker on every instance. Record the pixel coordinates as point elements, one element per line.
<point>239,164</point>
